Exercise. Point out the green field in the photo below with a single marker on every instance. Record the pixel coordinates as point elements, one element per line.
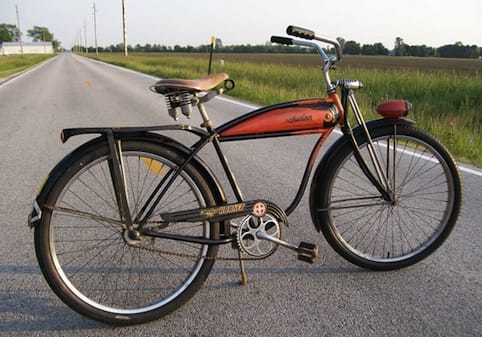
<point>446,93</point>
<point>13,64</point>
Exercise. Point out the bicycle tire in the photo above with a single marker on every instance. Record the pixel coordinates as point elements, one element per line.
<point>88,262</point>
<point>380,235</point>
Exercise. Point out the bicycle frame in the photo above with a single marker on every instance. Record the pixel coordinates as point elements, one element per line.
<point>302,117</point>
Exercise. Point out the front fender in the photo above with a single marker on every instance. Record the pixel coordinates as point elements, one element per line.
<point>373,124</point>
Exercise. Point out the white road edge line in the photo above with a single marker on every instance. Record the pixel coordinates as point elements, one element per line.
<point>462,167</point>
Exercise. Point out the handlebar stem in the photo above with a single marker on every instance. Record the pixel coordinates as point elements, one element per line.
<point>334,43</point>
<point>328,61</point>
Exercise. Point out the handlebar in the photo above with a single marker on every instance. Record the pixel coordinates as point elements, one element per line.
<point>287,41</point>
<point>300,32</point>
<point>310,35</point>
<point>282,40</point>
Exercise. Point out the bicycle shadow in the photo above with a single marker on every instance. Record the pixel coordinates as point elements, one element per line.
<point>28,305</point>
<point>256,272</point>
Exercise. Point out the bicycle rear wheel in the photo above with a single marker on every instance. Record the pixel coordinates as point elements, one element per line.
<point>85,253</point>
<point>381,235</point>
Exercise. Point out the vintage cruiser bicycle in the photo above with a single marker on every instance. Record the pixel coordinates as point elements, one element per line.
<point>128,225</point>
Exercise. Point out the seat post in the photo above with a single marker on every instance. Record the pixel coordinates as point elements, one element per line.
<point>207,123</point>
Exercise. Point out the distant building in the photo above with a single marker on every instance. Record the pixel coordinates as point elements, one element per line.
<point>9,48</point>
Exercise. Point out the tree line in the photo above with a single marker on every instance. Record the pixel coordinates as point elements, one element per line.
<point>158,48</point>
<point>456,50</point>
<point>10,33</point>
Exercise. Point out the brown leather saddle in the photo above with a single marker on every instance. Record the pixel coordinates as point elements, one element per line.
<point>207,83</point>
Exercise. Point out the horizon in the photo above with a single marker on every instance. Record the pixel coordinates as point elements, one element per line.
<point>192,23</point>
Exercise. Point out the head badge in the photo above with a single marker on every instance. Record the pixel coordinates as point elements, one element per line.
<point>259,209</point>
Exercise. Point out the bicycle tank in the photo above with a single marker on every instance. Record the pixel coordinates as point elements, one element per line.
<point>296,117</point>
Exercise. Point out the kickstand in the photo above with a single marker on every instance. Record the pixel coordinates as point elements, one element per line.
<point>244,277</point>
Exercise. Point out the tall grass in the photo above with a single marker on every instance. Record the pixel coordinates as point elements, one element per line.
<point>12,64</point>
<point>448,104</point>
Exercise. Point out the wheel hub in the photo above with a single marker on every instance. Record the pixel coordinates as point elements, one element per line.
<point>132,237</point>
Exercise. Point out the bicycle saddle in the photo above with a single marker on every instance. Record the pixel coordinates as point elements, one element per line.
<point>165,86</point>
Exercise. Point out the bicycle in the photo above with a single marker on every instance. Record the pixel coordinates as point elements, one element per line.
<point>128,225</point>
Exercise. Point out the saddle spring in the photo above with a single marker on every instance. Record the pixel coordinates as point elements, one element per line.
<point>179,102</point>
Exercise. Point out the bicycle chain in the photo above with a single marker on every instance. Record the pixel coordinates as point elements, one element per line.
<point>195,257</point>
<point>162,251</point>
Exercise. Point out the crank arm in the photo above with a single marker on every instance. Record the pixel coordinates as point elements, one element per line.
<point>265,236</point>
<point>306,251</point>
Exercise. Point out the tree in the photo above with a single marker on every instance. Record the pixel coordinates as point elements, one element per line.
<point>458,50</point>
<point>38,33</point>
<point>352,48</point>
<point>380,49</point>
<point>399,47</point>
<point>8,33</point>
<point>420,51</point>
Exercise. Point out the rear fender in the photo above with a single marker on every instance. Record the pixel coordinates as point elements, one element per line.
<point>66,163</point>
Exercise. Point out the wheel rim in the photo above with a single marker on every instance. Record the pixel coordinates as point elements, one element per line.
<point>381,231</point>
<point>94,260</point>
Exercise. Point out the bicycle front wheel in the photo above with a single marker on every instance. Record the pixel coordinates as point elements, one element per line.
<point>86,255</point>
<point>383,235</point>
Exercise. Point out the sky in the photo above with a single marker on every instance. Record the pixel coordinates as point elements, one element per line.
<point>192,22</point>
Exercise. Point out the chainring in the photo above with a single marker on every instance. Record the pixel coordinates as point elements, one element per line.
<point>249,242</point>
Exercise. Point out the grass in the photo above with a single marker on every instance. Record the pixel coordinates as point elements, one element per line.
<point>12,64</point>
<point>446,93</point>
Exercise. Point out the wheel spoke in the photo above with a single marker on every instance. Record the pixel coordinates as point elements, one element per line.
<point>92,254</point>
<point>380,234</point>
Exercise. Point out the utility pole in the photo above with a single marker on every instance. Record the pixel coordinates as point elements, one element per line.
<point>124,27</point>
<point>85,36</point>
<point>80,40</point>
<point>95,30</point>
<point>19,31</point>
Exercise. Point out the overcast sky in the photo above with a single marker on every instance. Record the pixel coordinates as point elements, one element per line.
<point>192,22</point>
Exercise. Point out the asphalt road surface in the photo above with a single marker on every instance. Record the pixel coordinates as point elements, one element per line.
<point>440,296</point>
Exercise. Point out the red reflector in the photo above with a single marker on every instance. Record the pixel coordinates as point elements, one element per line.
<point>395,108</point>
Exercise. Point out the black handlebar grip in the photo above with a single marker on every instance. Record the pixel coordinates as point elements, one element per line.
<point>282,40</point>
<point>300,32</point>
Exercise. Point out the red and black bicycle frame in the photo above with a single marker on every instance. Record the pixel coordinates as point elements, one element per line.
<point>302,117</point>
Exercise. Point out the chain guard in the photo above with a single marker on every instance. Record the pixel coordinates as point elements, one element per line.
<point>227,212</point>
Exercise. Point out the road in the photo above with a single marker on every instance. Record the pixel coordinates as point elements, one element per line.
<point>440,296</point>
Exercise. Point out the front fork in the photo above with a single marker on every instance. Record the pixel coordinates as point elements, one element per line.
<point>381,177</point>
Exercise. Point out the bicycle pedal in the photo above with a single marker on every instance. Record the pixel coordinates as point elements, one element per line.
<point>307,252</point>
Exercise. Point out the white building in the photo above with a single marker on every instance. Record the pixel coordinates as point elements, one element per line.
<point>9,48</point>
